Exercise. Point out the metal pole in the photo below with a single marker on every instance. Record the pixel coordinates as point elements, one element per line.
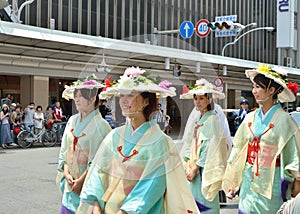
<point>244,34</point>
<point>21,8</point>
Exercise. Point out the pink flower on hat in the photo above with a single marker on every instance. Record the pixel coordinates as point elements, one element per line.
<point>90,82</point>
<point>165,84</point>
<point>134,72</point>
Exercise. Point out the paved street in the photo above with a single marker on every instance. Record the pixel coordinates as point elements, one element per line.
<point>27,182</point>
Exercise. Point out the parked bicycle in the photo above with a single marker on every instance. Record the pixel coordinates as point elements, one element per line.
<point>45,136</point>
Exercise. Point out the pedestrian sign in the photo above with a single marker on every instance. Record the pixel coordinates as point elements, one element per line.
<point>202,30</point>
<point>186,29</point>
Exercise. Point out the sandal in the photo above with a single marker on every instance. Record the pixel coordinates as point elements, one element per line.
<point>4,146</point>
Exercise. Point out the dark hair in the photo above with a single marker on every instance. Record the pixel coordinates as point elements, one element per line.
<point>210,106</point>
<point>151,107</point>
<point>88,94</point>
<point>39,106</point>
<point>265,82</point>
<point>48,107</point>
<point>31,103</point>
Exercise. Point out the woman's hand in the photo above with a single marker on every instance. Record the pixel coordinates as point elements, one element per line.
<point>296,188</point>
<point>77,185</point>
<point>190,175</point>
<point>97,208</point>
<point>70,180</point>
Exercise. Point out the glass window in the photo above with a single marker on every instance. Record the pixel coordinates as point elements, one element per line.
<point>44,14</point>
<point>93,17</point>
<point>65,14</point>
<point>75,16</point>
<point>84,17</point>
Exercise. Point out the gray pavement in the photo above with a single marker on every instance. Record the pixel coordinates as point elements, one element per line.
<point>27,182</point>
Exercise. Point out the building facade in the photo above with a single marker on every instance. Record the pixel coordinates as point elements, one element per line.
<point>135,20</point>
<point>69,33</point>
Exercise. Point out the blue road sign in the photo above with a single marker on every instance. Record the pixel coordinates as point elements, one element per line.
<point>187,29</point>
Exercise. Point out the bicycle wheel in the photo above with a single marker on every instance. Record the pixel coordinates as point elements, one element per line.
<point>49,138</point>
<point>23,139</point>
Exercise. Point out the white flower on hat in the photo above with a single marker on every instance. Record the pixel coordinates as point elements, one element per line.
<point>280,70</point>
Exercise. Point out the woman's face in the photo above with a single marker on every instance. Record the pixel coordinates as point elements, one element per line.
<point>132,104</point>
<point>260,94</point>
<point>201,102</point>
<point>81,103</point>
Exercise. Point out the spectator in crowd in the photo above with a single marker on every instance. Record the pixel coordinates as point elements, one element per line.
<point>110,119</point>
<point>103,107</point>
<point>5,127</point>
<point>49,117</point>
<point>57,112</point>
<point>29,115</point>
<point>241,114</point>
<point>16,120</point>
<point>168,127</point>
<point>11,111</point>
<point>38,119</point>
<point>159,116</point>
<point>7,100</point>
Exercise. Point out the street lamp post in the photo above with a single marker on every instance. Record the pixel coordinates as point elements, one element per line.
<point>238,36</point>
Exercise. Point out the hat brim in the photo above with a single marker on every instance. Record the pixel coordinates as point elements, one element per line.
<point>151,88</point>
<point>68,93</point>
<point>190,94</point>
<point>285,96</point>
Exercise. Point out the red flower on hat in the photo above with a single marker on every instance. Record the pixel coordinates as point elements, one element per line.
<point>108,83</point>
<point>185,89</point>
<point>293,87</point>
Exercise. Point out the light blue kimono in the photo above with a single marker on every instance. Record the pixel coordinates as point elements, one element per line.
<point>90,132</point>
<point>255,197</point>
<point>147,194</point>
<point>205,205</point>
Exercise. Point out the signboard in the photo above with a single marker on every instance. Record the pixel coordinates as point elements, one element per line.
<point>202,30</point>
<point>229,18</point>
<point>186,29</point>
<point>224,32</point>
<point>285,23</point>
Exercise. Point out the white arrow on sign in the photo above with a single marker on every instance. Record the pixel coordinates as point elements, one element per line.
<point>186,28</point>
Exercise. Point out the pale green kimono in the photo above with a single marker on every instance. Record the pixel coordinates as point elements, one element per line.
<point>138,172</point>
<point>267,191</point>
<point>90,132</point>
<point>208,150</point>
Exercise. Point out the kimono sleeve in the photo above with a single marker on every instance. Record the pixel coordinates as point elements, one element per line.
<point>146,193</point>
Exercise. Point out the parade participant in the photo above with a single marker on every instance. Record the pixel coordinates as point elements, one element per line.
<point>207,151</point>
<point>264,163</point>
<point>83,134</point>
<point>133,171</point>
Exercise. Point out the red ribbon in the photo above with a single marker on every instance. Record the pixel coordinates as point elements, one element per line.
<point>254,147</point>
<point>125,158</point>
<point>75,140</point>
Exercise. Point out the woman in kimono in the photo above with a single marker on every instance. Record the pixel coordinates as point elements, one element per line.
<point>82,137</point>
<point>137,168</point>
<point>207,148</point>
<point>264,163</point>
